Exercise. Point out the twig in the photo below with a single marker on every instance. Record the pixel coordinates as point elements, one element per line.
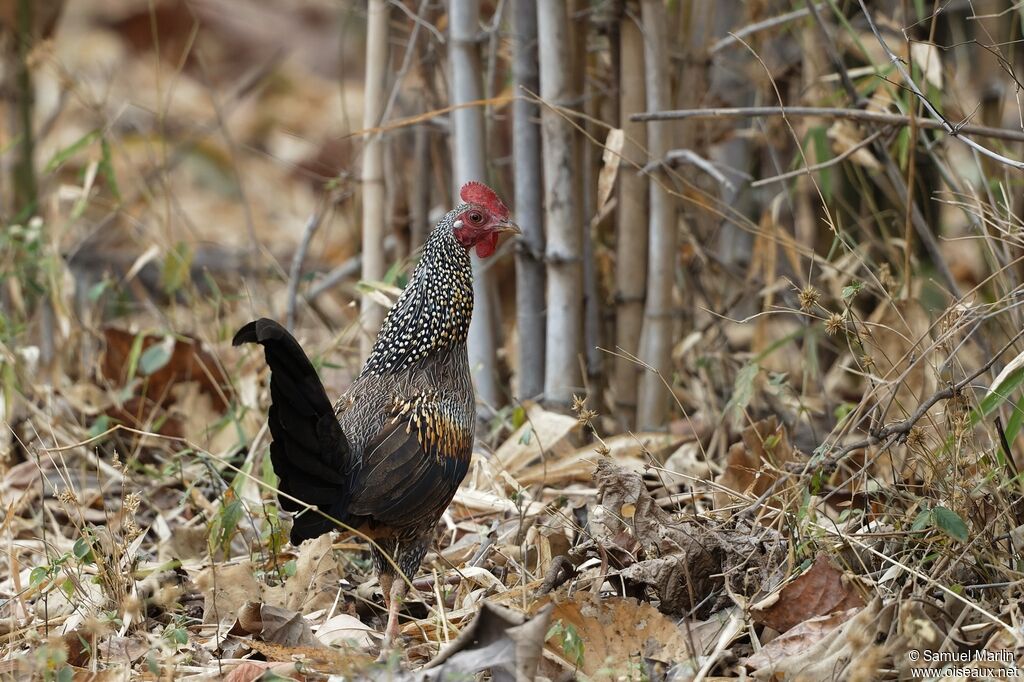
<point>892,171</point>
<point>734,36</point>
<point>679,156</point>
<point>295,272</point>
<point>952,131</point>
<point>902,428</point>
<point>881,117</point>
<point>820,166</point>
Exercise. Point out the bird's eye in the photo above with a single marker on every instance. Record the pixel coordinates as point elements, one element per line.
<point>476,217</point>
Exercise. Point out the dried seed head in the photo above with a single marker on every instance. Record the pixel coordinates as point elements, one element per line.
<point>809,297</point>
<point>67,496</point>
<point>579,406</point>
<point>915,438</point>
<point>886,279</point>
<point>131,502</point>
<point>835,323</point>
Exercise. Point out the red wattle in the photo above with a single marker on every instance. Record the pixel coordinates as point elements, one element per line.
<point>486,246</point>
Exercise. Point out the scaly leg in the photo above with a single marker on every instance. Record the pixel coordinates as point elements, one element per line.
<point>398,590</point>
<point>385,580</point>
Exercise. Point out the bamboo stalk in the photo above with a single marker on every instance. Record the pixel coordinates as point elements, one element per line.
<point>530,308</point>
<point>564,238</point>
<point>469,146</point>
<point>631,229</point>
<point>374,195</point>
<point>656,343</point>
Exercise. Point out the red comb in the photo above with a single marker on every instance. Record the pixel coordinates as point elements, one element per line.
<point>478,193</point>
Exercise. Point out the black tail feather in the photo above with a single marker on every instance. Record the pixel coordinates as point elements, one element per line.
<point>310,452</point>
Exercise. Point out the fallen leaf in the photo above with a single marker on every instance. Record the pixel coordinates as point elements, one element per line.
<point>799,638</point>
<point>502,641</point>
<point>818,591</point>
<point>543,434</point>
<point>276,625</point>
<point>750,463</point>
<point>345,629</point>
<point>610,158</point>
<point>617,635</point>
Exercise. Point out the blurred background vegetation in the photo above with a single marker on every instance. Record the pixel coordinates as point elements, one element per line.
<point>174,168</point>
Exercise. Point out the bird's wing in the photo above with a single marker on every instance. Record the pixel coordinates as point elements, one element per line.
<point>310,452</point>
<point>411,469</point>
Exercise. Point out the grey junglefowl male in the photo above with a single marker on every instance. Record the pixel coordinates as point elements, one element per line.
<point>387,458</point>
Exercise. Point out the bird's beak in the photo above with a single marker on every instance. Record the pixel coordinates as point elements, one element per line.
<point>510,227</point>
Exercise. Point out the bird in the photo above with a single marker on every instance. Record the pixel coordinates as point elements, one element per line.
<point>388,456</point>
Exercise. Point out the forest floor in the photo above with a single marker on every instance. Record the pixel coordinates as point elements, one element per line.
<point>834,497</point>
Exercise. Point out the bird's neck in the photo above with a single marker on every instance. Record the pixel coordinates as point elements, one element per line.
<point>432,315</point>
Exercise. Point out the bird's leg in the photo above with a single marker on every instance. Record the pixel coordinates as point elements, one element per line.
<point>398,590</point>
<point>386,579</point>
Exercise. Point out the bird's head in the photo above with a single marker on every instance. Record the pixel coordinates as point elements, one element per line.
<point>481,219</point>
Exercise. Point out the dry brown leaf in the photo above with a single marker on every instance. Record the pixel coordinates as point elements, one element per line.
<point>825,654</point>
<point>500,640</point>
<point>617,635</point>
<point>799,638</point>
<point>345,629</point>
<point>751,464</point>
<point>276,625</point>
<point>610,158</point>
<point>818,591</point>
<point>685,559</point>
<point>543,434</point>
<point>188,361</point>
<point>250,671</point>
<point>226,589</point>
<point>314,584</point>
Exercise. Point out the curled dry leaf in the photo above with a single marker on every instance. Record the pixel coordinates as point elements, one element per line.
<point>826,649</point>
<point>615,635</point>
<point>821,590</point>
<point>543,434</point>
<point>276,625</point>
<point>685,560</point>
<point>751,464</point>
<point>499,640</point>
<point>345,629</point>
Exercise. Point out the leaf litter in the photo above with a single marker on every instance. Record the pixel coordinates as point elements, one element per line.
<point>141,534</point>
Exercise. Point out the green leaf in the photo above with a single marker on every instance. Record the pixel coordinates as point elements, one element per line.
<point>1006,388</point>
<point>850,291</point>
<point>1013,424</point>
<point>133,355</point>
<point>107,169</point>
<point>518,416</point>
<point>743,389</point>
<point>64,154</point>
<point>156,357</point>
<point>950,523</point>
<point>99,426</point>
<point>83,551</point>
<point>177,267</point>
<point>38,575</point>
<point>922,521</point>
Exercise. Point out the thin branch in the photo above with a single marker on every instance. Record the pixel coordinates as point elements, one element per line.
<point>953,131</point>
<point>735,36</point>
<point>295,272</point>
<point>819,166</point>
<point>881,117</point>
<point>899,429</point>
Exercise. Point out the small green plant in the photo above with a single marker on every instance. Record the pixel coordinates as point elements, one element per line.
<point>572,644</point>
